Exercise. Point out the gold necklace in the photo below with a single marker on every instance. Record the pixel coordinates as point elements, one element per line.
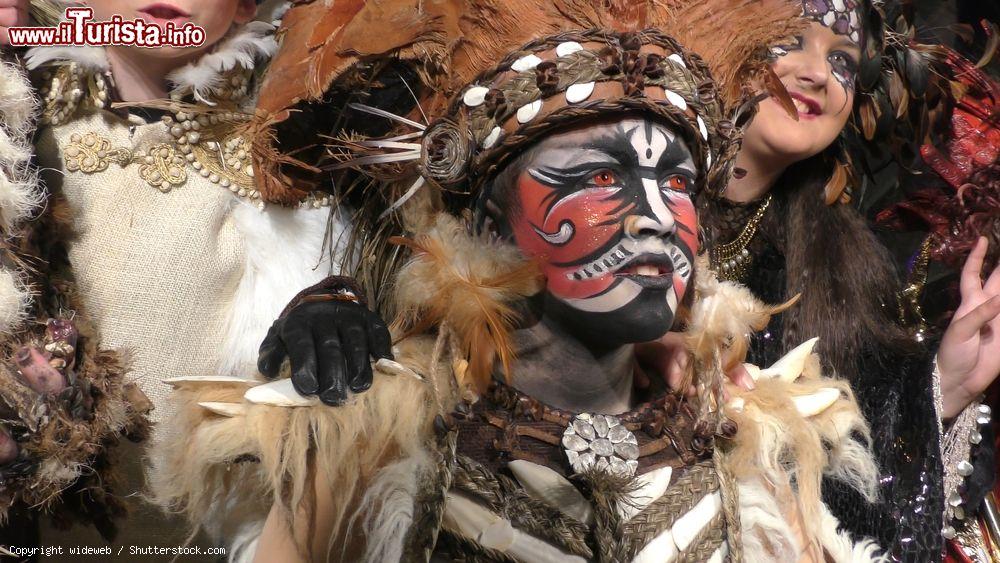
<point>731,260</point>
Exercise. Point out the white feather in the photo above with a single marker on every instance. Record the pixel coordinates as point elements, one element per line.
<point>91,59</point>
<point>242,48</point>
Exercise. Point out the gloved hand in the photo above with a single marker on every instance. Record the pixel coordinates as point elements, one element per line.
<point>328,335</point>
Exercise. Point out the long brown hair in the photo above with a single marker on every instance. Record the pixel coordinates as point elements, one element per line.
<point>846,277</point>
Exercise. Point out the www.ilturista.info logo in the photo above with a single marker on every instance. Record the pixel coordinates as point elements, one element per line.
<point>79,30</point>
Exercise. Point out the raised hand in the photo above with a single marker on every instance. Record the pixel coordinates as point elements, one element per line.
<point>969,356</point>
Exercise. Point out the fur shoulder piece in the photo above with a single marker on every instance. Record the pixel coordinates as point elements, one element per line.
<point>794,428</point>
<point>240,441</point>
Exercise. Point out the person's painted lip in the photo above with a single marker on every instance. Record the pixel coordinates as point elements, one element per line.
<point>807,106</point>
<point>162,12</point>
<point>648,270</point>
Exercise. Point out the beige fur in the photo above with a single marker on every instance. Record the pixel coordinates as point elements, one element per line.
<point>777,450</point>
<point>388,422</point>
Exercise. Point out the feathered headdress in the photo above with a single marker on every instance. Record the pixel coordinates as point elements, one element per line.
<point>418,60</point>
<point>362,97</point>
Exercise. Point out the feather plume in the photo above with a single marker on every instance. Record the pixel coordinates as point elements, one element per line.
<point>467,283</point>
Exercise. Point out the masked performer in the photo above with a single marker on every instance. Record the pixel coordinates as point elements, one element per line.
<point>565,140</point>
<point>783,226</point>
<point>177,258</point>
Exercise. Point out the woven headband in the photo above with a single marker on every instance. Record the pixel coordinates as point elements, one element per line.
<point>563,79</point>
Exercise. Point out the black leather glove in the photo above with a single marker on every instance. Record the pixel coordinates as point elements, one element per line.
<point>328,335</point>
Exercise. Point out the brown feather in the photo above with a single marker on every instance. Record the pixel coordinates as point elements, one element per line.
<point>835,185</point>
<point>779,93</point>
<point>473,298</point>
<point>869,118</point>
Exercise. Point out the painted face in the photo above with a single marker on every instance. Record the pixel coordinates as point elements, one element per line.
<point>606,210</point>
<point>819,70</point>
<point>215,16</point>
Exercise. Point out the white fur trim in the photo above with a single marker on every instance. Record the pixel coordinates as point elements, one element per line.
<point>766,534</point>
<point>768,538</point>
<point>285,253</point>
<point>20,193</point>
<point>393,491</point>
<point>14,300</point>
<point>92,59</point>
<point>17,101</point>
<point>839,546</point>
<point>241,48</point>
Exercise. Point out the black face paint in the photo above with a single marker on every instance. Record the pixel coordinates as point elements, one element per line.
<point>843,66</point>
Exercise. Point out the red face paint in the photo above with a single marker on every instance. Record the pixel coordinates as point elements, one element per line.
<point>595,215</point>
<point>607,214</point>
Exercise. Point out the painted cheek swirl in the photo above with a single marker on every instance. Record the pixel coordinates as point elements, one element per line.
<point>566,230</point>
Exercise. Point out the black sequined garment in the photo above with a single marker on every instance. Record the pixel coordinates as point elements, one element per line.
<point>895,393</point>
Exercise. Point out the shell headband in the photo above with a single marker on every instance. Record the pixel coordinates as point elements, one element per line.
<point>562,79</point>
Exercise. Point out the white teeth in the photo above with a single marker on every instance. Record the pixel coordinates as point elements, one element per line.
<point>800,105</point>
<point>647,270</point>
<point>615,256</point>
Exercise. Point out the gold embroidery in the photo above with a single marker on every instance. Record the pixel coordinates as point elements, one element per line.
<point>66,88</point>
<point>227,159</point>
<point>92,153</point>
<point>163,168</point>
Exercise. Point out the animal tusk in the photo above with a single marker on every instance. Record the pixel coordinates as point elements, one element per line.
<point>817,402</point>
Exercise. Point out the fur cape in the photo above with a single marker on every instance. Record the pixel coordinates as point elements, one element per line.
<point>20,193</point>
<point>239,440</point>
<point>64,441</point>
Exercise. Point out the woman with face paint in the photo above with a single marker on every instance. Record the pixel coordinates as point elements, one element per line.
<point>552,225</point>
<point>783,227</point>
